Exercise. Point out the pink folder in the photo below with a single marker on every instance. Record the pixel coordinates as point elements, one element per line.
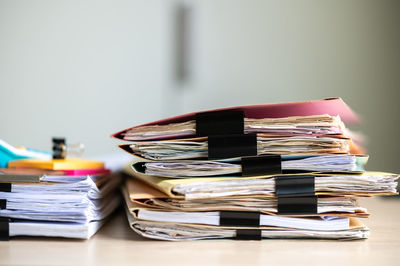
<point>330,106</point>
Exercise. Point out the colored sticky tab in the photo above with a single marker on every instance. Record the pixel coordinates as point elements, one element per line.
<point>82,172</point>
<point>57,164</point>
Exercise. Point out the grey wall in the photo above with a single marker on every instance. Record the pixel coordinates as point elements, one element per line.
<point>80,69</point>
<point>84,69</point>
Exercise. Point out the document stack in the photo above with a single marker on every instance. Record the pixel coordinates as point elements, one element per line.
<point>288,170</point>
<point>68,198</point>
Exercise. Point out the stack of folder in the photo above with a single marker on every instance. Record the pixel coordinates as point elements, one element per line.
<point>288,170</point>
<point>68,198</point>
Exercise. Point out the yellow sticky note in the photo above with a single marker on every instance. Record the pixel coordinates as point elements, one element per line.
<point>57,164</point>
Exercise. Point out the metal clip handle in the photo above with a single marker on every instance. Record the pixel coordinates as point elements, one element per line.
<point>61,149</point>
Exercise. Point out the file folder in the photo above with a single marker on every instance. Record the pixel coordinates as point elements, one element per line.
<point>148,197</point>
<point>286,170</point>
<point>331,106</point>
<point>170,226</point>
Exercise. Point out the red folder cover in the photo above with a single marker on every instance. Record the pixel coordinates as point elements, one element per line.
<point>330,106</point>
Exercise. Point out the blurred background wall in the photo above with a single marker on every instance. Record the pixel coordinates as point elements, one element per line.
<point>85,69</point>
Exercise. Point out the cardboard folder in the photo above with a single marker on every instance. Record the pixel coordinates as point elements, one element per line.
<point>142,195</point>
<point>196,229</point>
<point>167,185</point>
<point>181,232</point>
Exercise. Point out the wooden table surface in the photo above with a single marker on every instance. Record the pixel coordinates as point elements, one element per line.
<point>116,244</point>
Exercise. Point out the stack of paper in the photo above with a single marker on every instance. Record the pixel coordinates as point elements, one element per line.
<point>290,170</point>
<point>57,198</point>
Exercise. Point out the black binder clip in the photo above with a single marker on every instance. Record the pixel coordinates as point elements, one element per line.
<point>3,204</point>
<point>261,165</point>
<point>219,123</point>
<point>4,229</point>
<point>297,205</point>
<point>248,234</point>
<point>60,148</point>
<point>237,218</point>
<point>296,194</point>
<point>231,146</point>
<point>295,185</point>
<point>5,187</point>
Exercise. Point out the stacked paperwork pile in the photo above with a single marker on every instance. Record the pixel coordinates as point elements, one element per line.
<point>289,170</point>
<point>56,198</point>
